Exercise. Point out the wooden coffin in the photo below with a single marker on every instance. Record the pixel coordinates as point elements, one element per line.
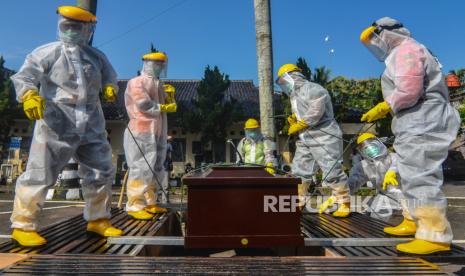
<point>226,209</point>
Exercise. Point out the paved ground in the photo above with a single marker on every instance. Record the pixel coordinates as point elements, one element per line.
<point>57,211</point>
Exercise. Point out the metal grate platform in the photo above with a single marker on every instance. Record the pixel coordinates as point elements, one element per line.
<point>120,265</point>
<point>70,236</point>
<point>384,251</point>
<point>357,226</point>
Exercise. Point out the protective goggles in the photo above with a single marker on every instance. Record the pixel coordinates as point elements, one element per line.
<point>372,149</point>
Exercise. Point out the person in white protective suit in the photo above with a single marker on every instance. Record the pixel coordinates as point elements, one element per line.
<point>70,123</point>
<point>320,138</point>
<point>147,105</point>
<point>424,125</point>
<point>379,166</point>
<point>255,148</point>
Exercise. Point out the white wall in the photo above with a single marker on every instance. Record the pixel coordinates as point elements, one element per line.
<point>116,129</point>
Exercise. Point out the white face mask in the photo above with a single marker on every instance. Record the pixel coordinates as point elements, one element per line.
<point>156,69</point>
<point>74,32</point>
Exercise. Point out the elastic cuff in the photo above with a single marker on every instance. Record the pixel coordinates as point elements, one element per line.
<point>432,236</point>
<point>24,226</point>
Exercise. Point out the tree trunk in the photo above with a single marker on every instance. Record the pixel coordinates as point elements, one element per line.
<point>265,65</point>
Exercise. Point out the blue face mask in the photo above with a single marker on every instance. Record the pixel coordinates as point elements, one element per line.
<point>287,88</point>
<point>253,134</point>
<point>372,151</point>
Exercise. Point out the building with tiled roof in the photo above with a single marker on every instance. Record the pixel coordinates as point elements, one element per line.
<point>186,145</point>
<point>243,91</point>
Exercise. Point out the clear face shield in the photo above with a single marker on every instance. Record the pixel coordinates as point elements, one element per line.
<point>156,68</point>
<point>372,149</point>
<point>254,134</point>
<point>286,83</point>
<point>375,44</point>
<point>74,32</point>
<point>380,40</point>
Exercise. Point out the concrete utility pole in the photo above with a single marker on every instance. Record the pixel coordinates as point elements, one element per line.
<point>90,5</point>
<point>265,65</point>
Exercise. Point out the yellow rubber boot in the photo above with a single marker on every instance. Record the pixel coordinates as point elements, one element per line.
<point>422,247</point>
<point>28,238</point>
<point>406,228</point>
<point>343,211</point>
<point>140,215</point>
<point>154,209</point>
<point>103,228</point>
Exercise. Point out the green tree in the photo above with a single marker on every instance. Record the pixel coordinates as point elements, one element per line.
<point>213,112</point>
<point>9,108</point>
<point>152,48</point>
<point>351,98</point>
<point>306,71</point>
<point>321,76</point>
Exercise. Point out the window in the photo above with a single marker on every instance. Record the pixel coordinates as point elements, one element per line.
<point>220,151</point>
<point>196,147</point>
<point>179,150</point>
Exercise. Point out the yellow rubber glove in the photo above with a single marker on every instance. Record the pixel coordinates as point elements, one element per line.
<point>327,204</point>
<point>170,92</point>
<point>169,108</point>
<point>33,105</point>
<point>390,178</point>
<point>380,111</point>
<point>292,119</point>
<point>295,128</point>
<point>270,169</point>
<point>109,94</point>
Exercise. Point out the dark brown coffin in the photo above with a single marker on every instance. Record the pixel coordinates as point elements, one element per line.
<point>226,210</point>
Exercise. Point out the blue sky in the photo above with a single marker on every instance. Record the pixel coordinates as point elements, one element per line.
<point>196,33</point>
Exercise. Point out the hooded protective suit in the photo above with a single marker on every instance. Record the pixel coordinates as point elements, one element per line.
<point>424,124</point>
<point>374,170</point>
<point>148,124</point>
<point>71,76</point>
<point>315,148</point>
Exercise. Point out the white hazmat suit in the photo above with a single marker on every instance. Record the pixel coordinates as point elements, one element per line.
<point>144,96</point>
<point>315,147</point>
<point>71,76</point>
<point>424,124</point>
